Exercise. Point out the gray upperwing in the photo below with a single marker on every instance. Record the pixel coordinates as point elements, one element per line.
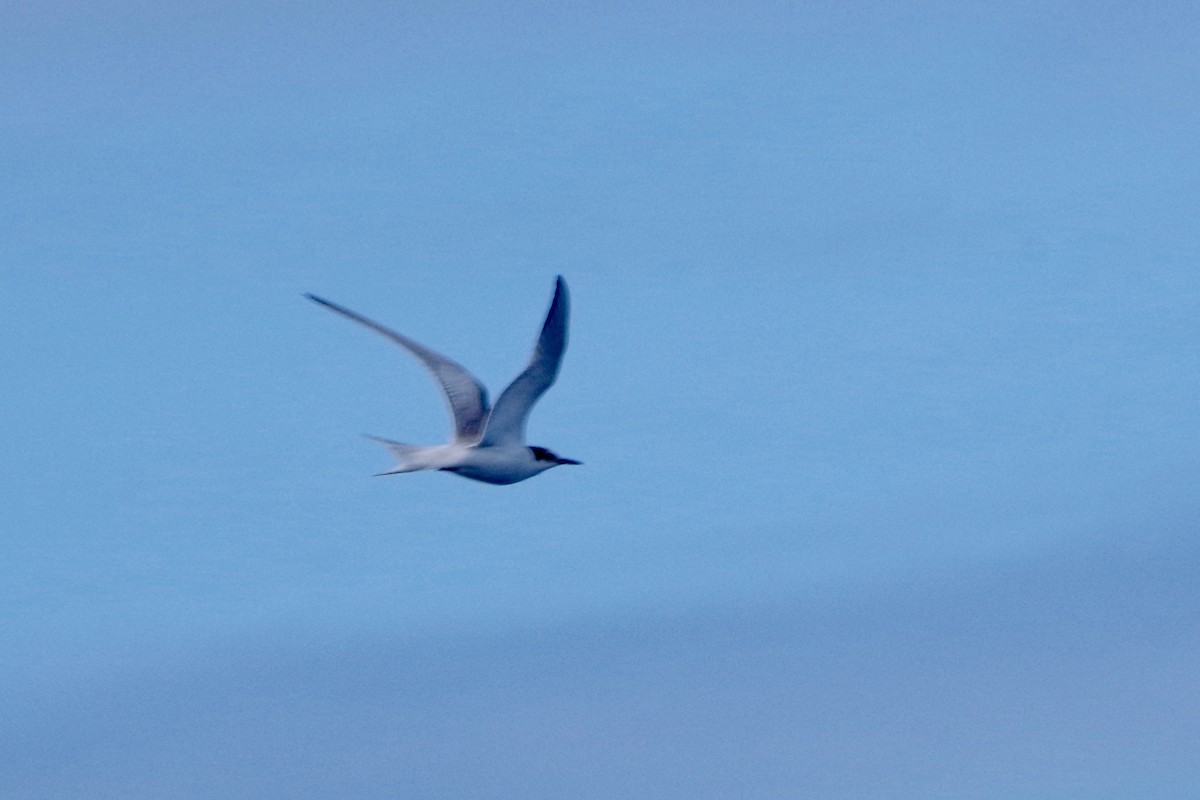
<point>465,395</point>
<point>506,423</point>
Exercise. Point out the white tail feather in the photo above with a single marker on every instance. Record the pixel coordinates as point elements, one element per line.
<point>409,457</point>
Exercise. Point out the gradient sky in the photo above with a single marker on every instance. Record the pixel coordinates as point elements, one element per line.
<point>883,368</point>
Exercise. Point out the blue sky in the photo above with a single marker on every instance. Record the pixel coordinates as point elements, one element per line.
<point>883,369</point>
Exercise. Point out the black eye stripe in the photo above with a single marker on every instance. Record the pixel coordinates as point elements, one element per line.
<point>542,454</point>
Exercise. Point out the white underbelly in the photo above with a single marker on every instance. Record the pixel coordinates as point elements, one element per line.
<point>496,466</point>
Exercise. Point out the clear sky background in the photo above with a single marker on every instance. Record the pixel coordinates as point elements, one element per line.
<point>884,370</point>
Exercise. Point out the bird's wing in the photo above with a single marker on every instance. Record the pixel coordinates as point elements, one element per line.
<point>506,423</point>
<point>465,395</point>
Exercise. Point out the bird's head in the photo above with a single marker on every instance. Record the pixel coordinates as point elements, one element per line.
<point>544,456</point>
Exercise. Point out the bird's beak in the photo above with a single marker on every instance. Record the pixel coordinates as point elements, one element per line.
<point>567,461</point>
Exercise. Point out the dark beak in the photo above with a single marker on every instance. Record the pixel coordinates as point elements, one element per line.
<point>567,461</point>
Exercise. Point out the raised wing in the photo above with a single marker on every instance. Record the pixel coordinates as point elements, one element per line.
<point>506,424</point>
<point>464,394</point>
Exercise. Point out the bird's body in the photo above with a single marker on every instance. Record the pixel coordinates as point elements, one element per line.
<point>499,464</point>
<point>489,442</point>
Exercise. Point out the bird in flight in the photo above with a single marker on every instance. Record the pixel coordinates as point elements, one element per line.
<point>489,442</point>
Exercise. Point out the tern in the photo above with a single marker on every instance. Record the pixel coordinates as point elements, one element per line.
<point>489,442</point>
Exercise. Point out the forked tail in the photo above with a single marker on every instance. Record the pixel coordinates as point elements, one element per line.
<point>408,456</point>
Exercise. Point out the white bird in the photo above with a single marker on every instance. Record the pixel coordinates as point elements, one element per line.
<point>488,444</point>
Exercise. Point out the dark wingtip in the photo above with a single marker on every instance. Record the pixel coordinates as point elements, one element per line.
<point>560,288</point>
<point>316,299</point>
